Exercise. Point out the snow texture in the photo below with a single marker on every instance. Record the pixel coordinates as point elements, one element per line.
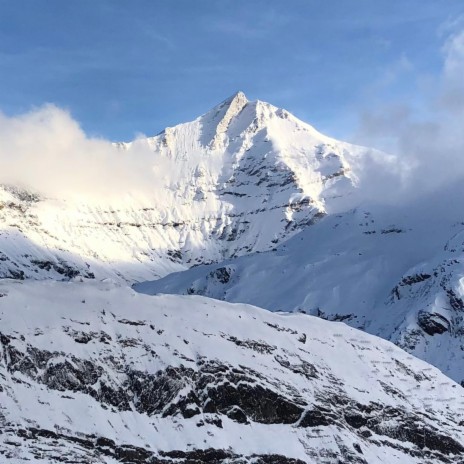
<point>239,179</point>
<point>95,372</point>
<point>251,206</point>
<point>394,272</point>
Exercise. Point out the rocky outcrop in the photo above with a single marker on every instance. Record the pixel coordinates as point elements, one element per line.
<point>87,448</point>
<point>382,272</point>
<point>100,372</point>
<point>432,323</point>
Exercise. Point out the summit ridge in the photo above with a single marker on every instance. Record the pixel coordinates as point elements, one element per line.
<point>241,178</point>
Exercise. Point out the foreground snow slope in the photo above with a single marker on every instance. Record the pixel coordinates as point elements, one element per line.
<point>396,272</point>
<point>240,178</point>
<point>98,373</point>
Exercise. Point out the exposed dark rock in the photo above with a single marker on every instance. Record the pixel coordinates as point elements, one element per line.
<point>175,255</point>
<point>221,274</point>
<point>281,329</point>
<point>236,414</point>
<point>276,459</point>
<point>259,346</point>
<point>392,230</point>
<point>207,391</point>
<point>304,367</point>
<point>61,268</point>
<point>317,417</point>
<point>75,375</point>
<point>128,322</point>
<point>432,323</point>
<point>456,303</point>
<point>154,393</point>
<point>355,420</point>
<point>14,274</point>
<point>258,403</point>
<point>410,430</point>
<point>415,279</point>
<point>85,449</point>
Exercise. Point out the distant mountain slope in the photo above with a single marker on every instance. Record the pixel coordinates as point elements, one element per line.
<point>396,272</point>
<point>241,178</point>
<point>98,373</point>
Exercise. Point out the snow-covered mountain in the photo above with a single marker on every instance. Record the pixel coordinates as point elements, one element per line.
<point>396,272</point>
<point>253,206</point>
<point>95,372</point>
<point>242,178</point>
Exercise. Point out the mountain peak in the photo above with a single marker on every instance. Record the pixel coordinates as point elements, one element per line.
<point>236,101</point>
<point>222,115</point>
<point>238,96</point>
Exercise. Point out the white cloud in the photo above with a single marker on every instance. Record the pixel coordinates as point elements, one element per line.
<point>427,138</point>
<point>47,151</point>
<point>453,73</point>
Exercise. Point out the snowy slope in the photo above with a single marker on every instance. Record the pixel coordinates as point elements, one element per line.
<point>396,272</point>
<point>100,373</point>
<point>239,179</point>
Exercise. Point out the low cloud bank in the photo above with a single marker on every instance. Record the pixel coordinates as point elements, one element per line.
<point>45,150</point>
<point>427,138</point>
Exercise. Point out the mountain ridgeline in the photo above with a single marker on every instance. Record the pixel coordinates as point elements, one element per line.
<point>240,179</point>
<point>128,335</point>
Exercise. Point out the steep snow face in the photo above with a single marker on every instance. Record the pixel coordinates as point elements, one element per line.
<point>241,178</point>
<point>99,373</point>
<point>393,272</point>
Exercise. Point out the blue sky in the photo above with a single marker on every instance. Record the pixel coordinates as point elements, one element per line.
<point>125,67</point>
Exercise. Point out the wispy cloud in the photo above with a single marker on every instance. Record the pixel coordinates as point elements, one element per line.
<point>157,37</point>
<point>427,139</point>
<point>251,26</point>
<point>453,73</point>
<point>47,151</point>
<point>395,71</point>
